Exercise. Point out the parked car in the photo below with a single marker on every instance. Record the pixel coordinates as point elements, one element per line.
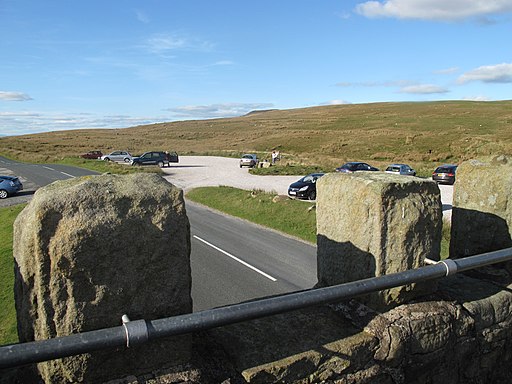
<point>91,155</point>
<point>445,174</point>
<point>401,169</point>
<point>156,158</point>
<point>118,156</point>
<point>9,185</point>
<point>354,166</point>
<point>248,160</point>
<point>305,188</point>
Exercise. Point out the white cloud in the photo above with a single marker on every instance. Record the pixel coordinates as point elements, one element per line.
<point>223,63</point>
<point>336,102</point>
<point>441,10</point>
<point>20,123</point>
<point>217,110</point>
<point>142,16</point>
<point>397,83</point>
<point>423,89</point>
<point>446,71</point>
<point>500,73</point>
<point>14,96</point>
<point>476,98</point>
<point>162,43</point>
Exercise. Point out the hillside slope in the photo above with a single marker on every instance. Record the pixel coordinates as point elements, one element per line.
<point>418,133</point>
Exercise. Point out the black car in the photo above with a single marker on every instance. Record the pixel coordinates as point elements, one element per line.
<point>156,158</point>
<point>305,188</point>
<point>445,174</point>
<point>354,166</point>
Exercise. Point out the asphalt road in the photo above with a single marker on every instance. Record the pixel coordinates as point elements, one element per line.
<point>232,260</point>
<point>34,176</point>
<point>235,260</point>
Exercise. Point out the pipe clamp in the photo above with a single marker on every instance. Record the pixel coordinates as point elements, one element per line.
<point>451,267</point>
<point>136,331</point>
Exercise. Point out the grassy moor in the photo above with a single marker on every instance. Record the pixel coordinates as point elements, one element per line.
<point>418,133</point>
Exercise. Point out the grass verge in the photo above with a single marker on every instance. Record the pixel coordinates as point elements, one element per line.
<point>108,166</point>
<point>445,239</point>
<point>8,332</point>
<point>289,169</point>
<point>289,216</point>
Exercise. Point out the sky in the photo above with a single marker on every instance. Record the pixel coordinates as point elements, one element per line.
<point>69,64</point>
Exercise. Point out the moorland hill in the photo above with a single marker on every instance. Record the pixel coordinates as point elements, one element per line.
<point>420,133</point>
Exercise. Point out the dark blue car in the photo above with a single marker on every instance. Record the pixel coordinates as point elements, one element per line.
<point>9,185</point>
<point>354,166</point>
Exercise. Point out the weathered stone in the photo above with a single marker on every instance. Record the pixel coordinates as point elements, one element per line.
<point>306,346</point>
<point>413,329</point>
<point>87,251</point>
<point>486,302</point>
<point>372,224</point>
<point>482,207</point>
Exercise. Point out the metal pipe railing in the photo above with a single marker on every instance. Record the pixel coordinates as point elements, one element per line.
<point>140,331</point>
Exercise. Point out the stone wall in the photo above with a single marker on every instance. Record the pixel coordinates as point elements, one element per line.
<point>371,224</point>
<point>455,330</point>
<point>482,207</point>
<point>89,250</point>
<point>460,334</point>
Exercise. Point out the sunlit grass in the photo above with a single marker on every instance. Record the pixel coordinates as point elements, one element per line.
<point>8,332</point>
<point>289,216</point>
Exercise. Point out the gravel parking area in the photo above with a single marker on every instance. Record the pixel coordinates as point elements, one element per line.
<point>210,171</point>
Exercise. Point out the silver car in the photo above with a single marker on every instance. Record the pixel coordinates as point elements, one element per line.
<point>401,169</point>
<point>118,156</point>
<point>248,160</point>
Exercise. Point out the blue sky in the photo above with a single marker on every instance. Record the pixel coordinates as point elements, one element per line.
<point>108,64</point>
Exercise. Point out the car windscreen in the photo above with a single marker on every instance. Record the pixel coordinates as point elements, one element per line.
<point>445,170</point>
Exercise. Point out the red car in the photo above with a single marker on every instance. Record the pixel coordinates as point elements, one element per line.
<point>91,155</point>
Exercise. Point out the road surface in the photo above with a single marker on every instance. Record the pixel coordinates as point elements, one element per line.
<point>232,260</point>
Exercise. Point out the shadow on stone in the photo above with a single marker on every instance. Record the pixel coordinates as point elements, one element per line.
<point>474,232</point>
<point>334,257</point>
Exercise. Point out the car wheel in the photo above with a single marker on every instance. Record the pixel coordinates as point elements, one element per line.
<point>240,165</point>
<point>312,195</point>
<point>126,160</point>
<point>107,159</point>
<point>160,164</point>
<point>3,194</point>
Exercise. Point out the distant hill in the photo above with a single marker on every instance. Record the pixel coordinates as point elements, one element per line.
<point>419,133</point>
<point>259,111</point>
